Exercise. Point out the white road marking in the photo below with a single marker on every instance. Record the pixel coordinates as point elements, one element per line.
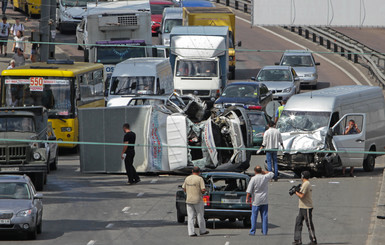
<point>110,225</point>
<point>153,181</point>
<point>125,209</point>
<point>303,47</point>
<point>227,243</point>
<point>92,242</point>
<point>334,182</point>
<point>140,194</point>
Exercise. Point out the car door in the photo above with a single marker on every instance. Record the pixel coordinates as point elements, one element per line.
<point>350,147</point>
<point>265,95</point>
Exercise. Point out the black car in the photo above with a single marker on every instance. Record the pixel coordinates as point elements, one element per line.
<point>225,198</point>
<point>244,94</point>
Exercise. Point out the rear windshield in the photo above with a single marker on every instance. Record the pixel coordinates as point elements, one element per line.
<point>297,60</point>
<point>228,184</point>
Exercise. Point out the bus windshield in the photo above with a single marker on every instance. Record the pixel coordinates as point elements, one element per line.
<point>54,94</point>
<point>114,55</point>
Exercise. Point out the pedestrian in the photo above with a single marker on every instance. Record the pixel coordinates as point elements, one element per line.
<point>271,140</point>
<point>128,154</point>
<point>279,110</point>
<point>4,33</point>
<point>4,6</point>
<point>305,211</point>
<point>11,65</point>
<point>258,190</point>
<point>17,27</point>
<point>19,41</point>
<point>34,52</point>
<point>19,57</point>
<point>194,187</point>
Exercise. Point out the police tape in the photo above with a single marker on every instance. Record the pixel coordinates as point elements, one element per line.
<point>302,151</point>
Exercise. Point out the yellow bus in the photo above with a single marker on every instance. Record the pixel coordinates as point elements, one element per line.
<point>30,7</point>
<point>61,86</point>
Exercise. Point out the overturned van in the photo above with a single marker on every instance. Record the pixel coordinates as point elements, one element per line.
<point>315,128</point>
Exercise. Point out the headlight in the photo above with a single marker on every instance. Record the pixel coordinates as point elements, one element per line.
<point>34,145</point>
<point>287,90</point>
<point>67,15</point>
<point>218,106</point>
<point>24,213</point>
<point>36,155</point>
<point>66,129</point>
<point>166,42</point>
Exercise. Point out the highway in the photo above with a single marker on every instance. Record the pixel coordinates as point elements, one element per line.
<point>92,209</point>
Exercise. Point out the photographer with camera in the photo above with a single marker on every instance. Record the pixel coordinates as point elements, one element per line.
<point>258,189</point>
<point>305,210</point>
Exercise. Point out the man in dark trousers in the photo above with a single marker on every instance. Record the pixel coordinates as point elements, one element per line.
<point>128,154</point>
<point>305,211</point>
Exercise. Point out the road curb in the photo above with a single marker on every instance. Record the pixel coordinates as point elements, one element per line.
<point>379,224</point>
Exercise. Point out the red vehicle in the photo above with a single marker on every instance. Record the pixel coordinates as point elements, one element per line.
<point>157,8</point>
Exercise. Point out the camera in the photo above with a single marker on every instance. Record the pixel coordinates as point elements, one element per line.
<point>294,189</point>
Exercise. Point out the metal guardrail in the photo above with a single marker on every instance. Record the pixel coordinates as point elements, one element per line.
<point>327,37</point>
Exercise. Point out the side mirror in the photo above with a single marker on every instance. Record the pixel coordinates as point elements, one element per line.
<point>276,63</point>
<point>38,196</point>
<point>253,78</point>
<point>52,138</point>
<point>317,63</point>
<point>239,44</point>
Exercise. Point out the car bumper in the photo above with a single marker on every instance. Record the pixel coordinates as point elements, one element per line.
<point>19,224</point>
<point>17,169</point>
<point>227,213</point>
<point>308,80</point>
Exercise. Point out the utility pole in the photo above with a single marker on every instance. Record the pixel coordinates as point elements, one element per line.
<point>46,28</point>
<point>52,28</point>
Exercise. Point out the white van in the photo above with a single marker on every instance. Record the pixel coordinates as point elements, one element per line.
<point>139,76</point>
<point>316,122</point>
<point>171,17</point>
<point>69,13</point>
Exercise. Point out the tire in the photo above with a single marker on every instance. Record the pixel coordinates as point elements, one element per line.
<point>328,169</point>
<point>246,222</point>
<point>61,30</point>
<point>38,181</point>
<point>31,235</point>
<point>369,163</point>
<point>39,227</point>
<point>180,218</point>
<point>53,165</point>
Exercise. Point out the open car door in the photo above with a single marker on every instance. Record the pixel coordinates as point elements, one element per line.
<point>350,144</point>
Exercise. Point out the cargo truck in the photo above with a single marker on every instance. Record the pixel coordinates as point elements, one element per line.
<point>218,16</point>
<point>199,59</point>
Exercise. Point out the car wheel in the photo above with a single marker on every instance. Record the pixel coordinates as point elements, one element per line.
<point>246,222</point>
<point>369,163</point>
<point>61,28</point>
<point>53,165</point>
<point>328,169</point>
<point>38,181</point>
<point>39,227</point>
<point>180,218</point>
<point>31,235</point>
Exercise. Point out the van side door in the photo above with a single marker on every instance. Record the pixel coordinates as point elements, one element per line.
<point>349,135</point>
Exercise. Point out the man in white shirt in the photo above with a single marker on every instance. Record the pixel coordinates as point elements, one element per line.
<point>258,190</point>
<point>271,140</point>
<point>17,27</point>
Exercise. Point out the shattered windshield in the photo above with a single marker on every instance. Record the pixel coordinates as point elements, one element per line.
<point>190,68</point>
<point>297,60</point>
<point>17,124</point>
<point>132,85</point>
<point>291,121</point>
<point>278,75</point>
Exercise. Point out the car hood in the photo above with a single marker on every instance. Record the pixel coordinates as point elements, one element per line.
<point>17,136</point>
<point>304,70</point>
<point>238,100</point>
<point>304,141</point>
<point>156,17</point>
<point>277,85</point>
<point>14,205</point>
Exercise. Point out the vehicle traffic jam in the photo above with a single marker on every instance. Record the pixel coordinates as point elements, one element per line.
<point>165,72</point>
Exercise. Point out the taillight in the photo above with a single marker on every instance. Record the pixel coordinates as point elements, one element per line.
<point>206,200</point>
<point>250,201</point>
<point>253,107</point>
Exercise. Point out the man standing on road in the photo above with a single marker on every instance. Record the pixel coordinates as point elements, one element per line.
<point>4,33</point>
<point>279,110</point>
<point>305,211</point>
<point>258,189</point>
<point>4,6</point>
<point>128,154</point>
<point>271,141</point>
<point>194,186</point>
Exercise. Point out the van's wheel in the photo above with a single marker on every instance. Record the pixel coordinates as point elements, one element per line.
<point>369,163</point>
<point>246,222</point>
<point>32,234</point>
<point>180,218</point>
<point>38,181</point>
<point>39,227</point>
<point>53,165</point>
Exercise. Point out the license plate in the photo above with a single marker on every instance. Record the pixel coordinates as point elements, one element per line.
<point>230,200</point>
<point>9,169</point>
<point>5,221</point>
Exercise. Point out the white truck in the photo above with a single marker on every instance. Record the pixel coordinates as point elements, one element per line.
<point>199,59</point>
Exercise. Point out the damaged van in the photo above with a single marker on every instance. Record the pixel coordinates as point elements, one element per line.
<point>315,128</point>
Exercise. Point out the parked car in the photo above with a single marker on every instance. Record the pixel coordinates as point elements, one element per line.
<point>157,8</point>
<point>21,208</point>
<point>282,81</point>
<point>244,94</point>
<point>304,65</point>
<point>259,122</point>
<point>225,198</point>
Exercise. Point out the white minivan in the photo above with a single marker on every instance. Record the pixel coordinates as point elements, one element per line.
<point>317,132</point>
<point>139,76</point>
<point>171,17</point>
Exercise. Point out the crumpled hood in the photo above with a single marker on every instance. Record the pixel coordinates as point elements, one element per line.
<point>304,141</point>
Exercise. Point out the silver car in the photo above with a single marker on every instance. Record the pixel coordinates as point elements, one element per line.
<point>282,81</point>
<point>304,65</point>
<point>21,208</point>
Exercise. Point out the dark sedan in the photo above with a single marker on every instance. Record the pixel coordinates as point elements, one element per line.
<point>225,198</point>
<point>259,121</point>
<point>244,94</point>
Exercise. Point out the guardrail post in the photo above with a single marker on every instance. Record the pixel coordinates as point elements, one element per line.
<point>355,58</point>
<point>307,34</point>
<point>342,51</point>
<point>314,37</point>
<point>328,44</point>
<point>321,41</point>
<point>245,8</point>
<point>335,48</point>
<point>292,28</point>
<point>349,55</point>
<point>300,31</point>
<point>236,4</point>
<point>227,2</point>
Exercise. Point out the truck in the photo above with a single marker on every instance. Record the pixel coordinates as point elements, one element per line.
<point>217,16</point>
<point>199,59</point>
<point>109,36</point>
<point>22,153</point>
<point>314,129</point>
